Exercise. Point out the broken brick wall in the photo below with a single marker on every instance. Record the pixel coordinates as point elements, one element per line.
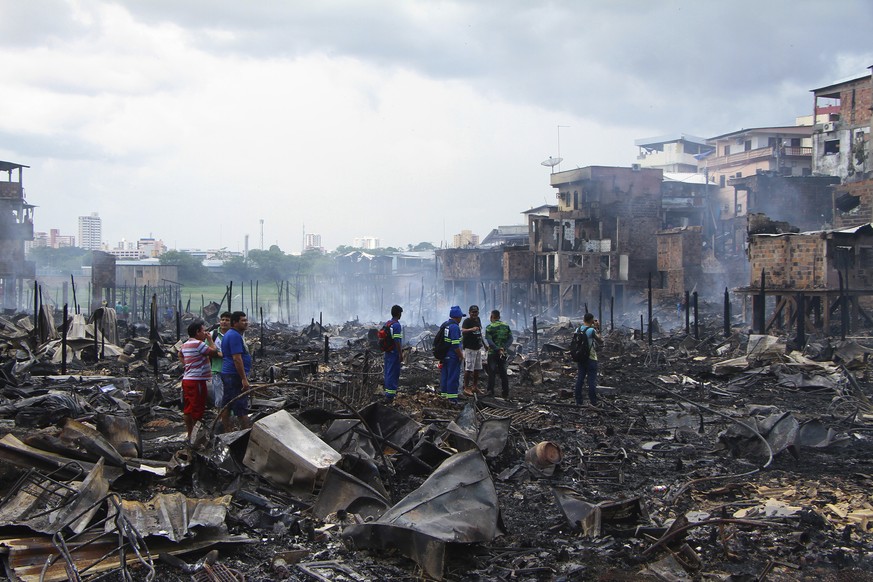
<point>518,264</point>
<point>680,256</point>
<point>471,264</point>
<point>860,214</point>
<point>789,261</point>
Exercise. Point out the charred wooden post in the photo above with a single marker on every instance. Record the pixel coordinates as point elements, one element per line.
<point>96,353</point>
<point>727,313</point>
<point>687,313</point>
<point>64,341</point>
<point>650,308</point>
<point>261,349</point>
<point>611,312</point>
<point>179,322</point>
<point>326,348</point>
<point>36,311</point>
<point>600,308</point>
<point>229,296</point>
<point>801,320</point>
<point>696,318</point>
<point>844,307</point>
<point>535,337</point>
<point>75,302</point>
<point>759,302</point>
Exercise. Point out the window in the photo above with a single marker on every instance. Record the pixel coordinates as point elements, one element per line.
<point>747,145</point>
<point>721,181</point>
<point>727,150</point>
<point>832,146</point>
<point>138,273</point>
<point>806,172</point>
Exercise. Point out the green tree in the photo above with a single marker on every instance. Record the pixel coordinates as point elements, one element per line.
<point>236,269</point>
<point>191,269</point>
<point>423,246</point>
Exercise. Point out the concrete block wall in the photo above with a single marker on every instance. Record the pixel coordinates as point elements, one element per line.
<point>791,261</point>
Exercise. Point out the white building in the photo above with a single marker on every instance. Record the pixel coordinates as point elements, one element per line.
<point>367,242</point>
<point>90,232</point>
<point>311,241</point>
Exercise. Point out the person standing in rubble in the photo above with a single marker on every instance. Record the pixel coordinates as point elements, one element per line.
<point>218,360</point>
<point>235,368</point>
<point>471,334</point>
<point>392,357</point>
<point>588,368</point>
<point>194,355</point>
<point>450,373</point>
<point>498,336</point>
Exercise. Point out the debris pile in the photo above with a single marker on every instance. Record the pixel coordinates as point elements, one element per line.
<point>720,458</point>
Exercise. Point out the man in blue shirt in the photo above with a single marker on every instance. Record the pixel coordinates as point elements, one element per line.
<point>392,357</point>
<point>235,367</point>
<point>450,374</point>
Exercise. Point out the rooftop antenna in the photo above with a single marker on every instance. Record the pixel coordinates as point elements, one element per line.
<point>559,144</point>
<point>552,162</point>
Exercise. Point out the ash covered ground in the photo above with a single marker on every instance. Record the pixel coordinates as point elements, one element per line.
<point>718,458</point>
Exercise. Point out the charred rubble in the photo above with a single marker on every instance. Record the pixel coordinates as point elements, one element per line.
<point>711,456</point>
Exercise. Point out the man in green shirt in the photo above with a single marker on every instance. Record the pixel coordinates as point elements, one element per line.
<point>498,337</point>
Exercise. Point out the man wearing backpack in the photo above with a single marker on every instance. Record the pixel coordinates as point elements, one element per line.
<point>392,356</point>
<point>450,374</point>
<point>587,367</point>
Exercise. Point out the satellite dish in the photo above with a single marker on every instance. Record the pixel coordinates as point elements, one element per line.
<point>552,162</point>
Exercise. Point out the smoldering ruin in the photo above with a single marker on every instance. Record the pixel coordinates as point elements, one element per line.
<point>731,440</point>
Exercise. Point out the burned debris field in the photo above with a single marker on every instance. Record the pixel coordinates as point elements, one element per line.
<point>715,457</point>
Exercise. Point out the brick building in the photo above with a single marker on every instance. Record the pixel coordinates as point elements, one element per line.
<point>598,241</point>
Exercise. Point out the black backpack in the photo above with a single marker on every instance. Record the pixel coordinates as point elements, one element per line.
<point>440,345</point>
<point>580,346</point>
<point>386,337</point>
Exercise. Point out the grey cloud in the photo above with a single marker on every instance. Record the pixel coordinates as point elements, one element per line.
<point>703,67</point>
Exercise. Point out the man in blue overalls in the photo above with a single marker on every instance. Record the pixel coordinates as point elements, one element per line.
<point>450,375</point>
<point>392,357</point>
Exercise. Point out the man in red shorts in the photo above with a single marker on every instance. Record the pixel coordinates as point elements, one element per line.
<point>194,355</point>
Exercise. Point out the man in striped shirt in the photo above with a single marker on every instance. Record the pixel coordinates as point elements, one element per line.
<point>194,355</point>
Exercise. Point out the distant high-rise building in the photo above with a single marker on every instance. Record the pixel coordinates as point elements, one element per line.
<point>465,239</point>
<point>90,232</point>
<point>311,241</point>
<point>56,240</point>
<point>367,242</point>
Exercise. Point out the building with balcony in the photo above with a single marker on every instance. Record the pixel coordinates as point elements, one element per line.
<point>671,153</point>
<point>16,228</point>
<point>841,139</point>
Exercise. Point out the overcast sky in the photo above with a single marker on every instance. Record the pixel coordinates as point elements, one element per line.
<point>407,120</point>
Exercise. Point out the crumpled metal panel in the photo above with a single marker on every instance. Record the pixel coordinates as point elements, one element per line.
<point>172,515</point>
<point>457,504</point>
<point>284,451</point>
<point>18,453</point>
<point>45,505</point>
<point>344,491</point>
